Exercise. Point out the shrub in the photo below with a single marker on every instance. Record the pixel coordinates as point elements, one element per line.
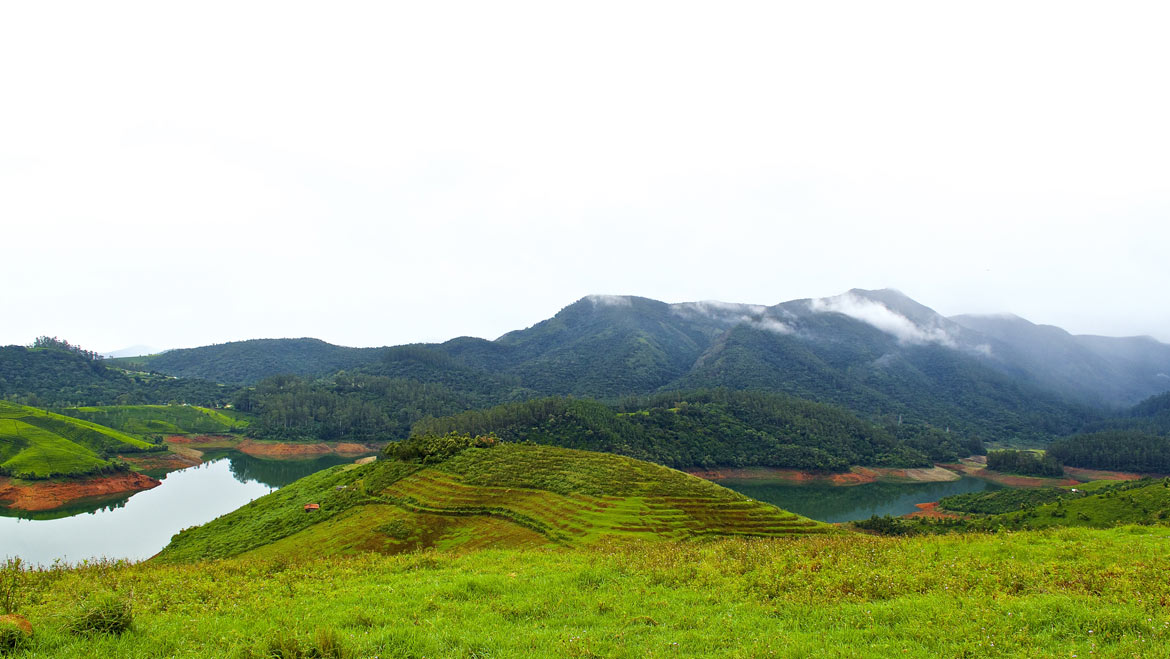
<point>11,580</point>
<point>105,613</point>
<point>15,632</point>
<point>885,525</point>
<point>429,449</point>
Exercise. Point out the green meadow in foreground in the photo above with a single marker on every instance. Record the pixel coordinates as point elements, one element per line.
<point>1052,593</point>
<point>459,492</point>
<point>37,444</point>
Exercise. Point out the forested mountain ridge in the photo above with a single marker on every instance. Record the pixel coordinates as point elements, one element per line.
<point>611,346</point>
<point>714,428</point>
<point>877,353</point>
<point>245,362</point>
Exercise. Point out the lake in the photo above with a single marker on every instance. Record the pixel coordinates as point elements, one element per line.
<point>138,525</point>
<point>836,503</point>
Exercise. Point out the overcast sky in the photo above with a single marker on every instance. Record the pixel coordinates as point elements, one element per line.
<point>178,175</point>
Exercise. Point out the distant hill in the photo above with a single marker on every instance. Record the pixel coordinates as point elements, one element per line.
<point>463,493</point>
<point>1101,504</point>
<point>860,353</point>
<point>878,353</point>
<point>52,377</point>
<point>131,351</point>
<point>245,362</point>
<point>1097,369</point>
<point>708,429</point>
<point>39,444</point>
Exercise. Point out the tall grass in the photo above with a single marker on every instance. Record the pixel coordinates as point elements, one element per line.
<point>1038,594</point>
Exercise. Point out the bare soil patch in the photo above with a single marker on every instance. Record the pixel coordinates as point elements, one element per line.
<point>46,495</point>
<point>1086,475</point>
<point>169,461</point>
<point>855,476</point>
<point>930,511</point>
<point>288,450</point>
<point>978,469</point>
<point>858,476</point>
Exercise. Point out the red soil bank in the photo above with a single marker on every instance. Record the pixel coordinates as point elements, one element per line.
<point>858,476</point>
<point>45,495</point>
<point>931,511</point>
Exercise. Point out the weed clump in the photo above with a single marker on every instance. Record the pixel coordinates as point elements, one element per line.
<point>286,644</point>
<point>105,613</point>
<point>12,578</point>
<point>15,632</point>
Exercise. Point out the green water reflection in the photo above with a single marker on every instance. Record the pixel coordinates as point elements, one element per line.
<point>833,503</point>
<point>136,526</point>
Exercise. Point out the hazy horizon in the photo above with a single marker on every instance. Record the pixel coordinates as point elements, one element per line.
<point>453,336</point>
<point>375,174</point>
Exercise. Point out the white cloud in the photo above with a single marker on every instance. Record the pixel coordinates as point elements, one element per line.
<point>771,325</point>
<point>733,313</point>
<point>611,300</point>
<point>883,318</point>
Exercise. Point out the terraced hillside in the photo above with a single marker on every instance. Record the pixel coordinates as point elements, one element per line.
<point>158,419</point>
<point>37,444</point>
<point>484,493</point>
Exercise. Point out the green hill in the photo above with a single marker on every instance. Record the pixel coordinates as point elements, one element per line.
<point>158,419</point>
<point>713,428</point>
<point>1098,504</point>
<point>35,443</point>
<point>1112,504</point>
<point>245,362</point>
<point>612,347</point>
<point>456,492</point>
<point>53,375</point>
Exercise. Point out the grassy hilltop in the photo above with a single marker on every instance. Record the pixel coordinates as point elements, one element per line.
<point>458,492</point>
<point>35,444</point>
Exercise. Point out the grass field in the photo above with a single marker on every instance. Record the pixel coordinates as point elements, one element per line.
<point>1055,593</point>
<point>38,444</point>
<point>510,495</point>
<point>161,419</point>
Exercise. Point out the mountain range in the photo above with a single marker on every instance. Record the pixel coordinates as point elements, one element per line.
<point>605,345</point>
<point>876,352</point>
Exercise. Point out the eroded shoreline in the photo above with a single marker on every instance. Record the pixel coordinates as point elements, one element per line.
<point>185,451</point>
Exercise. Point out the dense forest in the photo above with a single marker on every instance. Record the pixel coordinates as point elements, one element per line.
<point>350,407</point>
<point>54,373</point>
<point>712,428</point>
<point>1120,450</point>
<point>607,348</point>
<point>246,362</point>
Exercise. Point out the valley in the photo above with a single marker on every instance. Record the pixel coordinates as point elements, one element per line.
<point>627,478</point>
